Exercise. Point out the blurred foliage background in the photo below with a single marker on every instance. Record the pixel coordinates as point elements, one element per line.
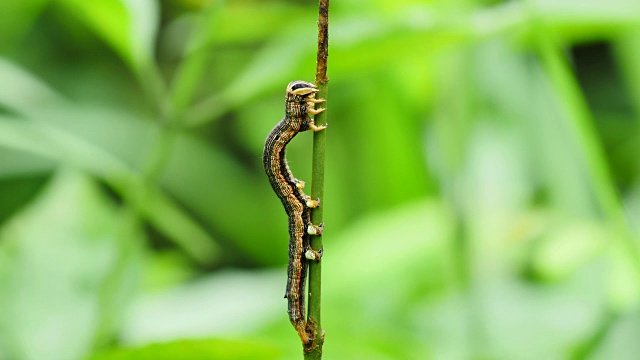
<point>482,191</point>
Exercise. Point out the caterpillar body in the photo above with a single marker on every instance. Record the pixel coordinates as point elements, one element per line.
<point>300,102</point>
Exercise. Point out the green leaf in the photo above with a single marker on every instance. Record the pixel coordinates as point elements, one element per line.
<point>194,350</point>
<point>128,26</point>
<point>18,163</point>
<point>16,17</point>
<point>424,227</point>
<point>624,290</point>
<point>22,91</point>
<point>226,200</point>
<point>275,64</point>
<point>226,302</point>
<point>18,191</point>
<point>50,140</point>
<point>66,263</point>
<point>627,51</point>
<point>196,57</point>
<point>567,248</point>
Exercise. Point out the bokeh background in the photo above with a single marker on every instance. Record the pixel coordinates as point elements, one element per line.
<point>482,178</point>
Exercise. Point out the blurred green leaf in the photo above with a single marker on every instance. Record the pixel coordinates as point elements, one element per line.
<point>404,178</point>
<point>421,235</point>
<point>189,73</point>
<point>194,350</point>
<point>224,195</point>
<point>477,95</point>
<point>557,150</point>
<point>166,269</point>
<point>202,307</point>
<point>626,266</point>
<point>16,18</point>
<point>17,191</point>
<point>274,64</point>
<point>51,141</point>
<point>22,91</point>
<point>129,26</point>
<point>562,252</point>
<point>617,343</point>
<point>591,12</point>
<point>624,290</point>
<point>246,22</point>
<point>59,255</point>
<point>627,50</point>
<point>18,163</point>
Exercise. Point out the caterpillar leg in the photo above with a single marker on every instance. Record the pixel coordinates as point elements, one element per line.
<point>311,203</point>
<point>299,183</point>
<point>311,105</point>
<point>313,255</point>
<point>313,111</point>
<point>311,101</point>
<point>316,128</point>
<point>315,229</point>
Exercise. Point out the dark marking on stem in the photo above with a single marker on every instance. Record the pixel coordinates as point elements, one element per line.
<point>323,43</point>
<point>318,341</point>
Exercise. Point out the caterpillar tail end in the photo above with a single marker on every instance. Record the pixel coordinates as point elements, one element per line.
<point>301,328</point>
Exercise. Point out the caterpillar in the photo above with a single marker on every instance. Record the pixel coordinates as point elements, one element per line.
<point>300,102</point>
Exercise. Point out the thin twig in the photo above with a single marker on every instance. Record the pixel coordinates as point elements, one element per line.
<point>314,349</point>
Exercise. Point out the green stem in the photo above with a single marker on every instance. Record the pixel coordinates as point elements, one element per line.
<point>314,350</point>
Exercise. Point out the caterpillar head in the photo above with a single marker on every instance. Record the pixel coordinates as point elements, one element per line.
<point>299,90</point>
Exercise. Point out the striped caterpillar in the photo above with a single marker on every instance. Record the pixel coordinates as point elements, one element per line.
<point>300,102</point>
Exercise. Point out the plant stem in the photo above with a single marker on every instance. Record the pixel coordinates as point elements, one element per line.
<point>314,350</point>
